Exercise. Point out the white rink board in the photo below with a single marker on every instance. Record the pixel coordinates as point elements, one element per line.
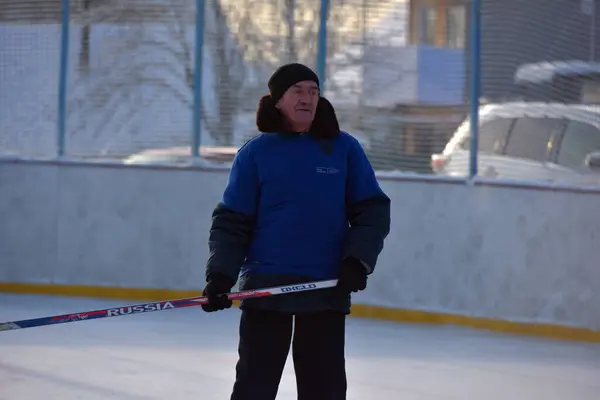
<point>510,253</point>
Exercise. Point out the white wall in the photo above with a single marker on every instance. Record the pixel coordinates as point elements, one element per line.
<point>510,253</point>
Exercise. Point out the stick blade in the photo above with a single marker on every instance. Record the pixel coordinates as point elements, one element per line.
<point>8,326</point>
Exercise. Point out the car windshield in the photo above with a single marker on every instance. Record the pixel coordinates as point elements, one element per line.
<point>492,135</point>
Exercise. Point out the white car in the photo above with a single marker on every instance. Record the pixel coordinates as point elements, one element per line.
<point>182,156</point>
<point>552,142</point>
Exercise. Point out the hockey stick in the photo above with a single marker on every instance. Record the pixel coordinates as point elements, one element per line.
<point>162,305</point>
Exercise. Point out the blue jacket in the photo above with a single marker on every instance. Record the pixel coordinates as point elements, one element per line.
<point>296,206</point>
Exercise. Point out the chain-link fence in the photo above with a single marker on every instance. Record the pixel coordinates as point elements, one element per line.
<point>540,80</point>
<point>29,76</point>
<point>397,71</point>
<point>400,89</point>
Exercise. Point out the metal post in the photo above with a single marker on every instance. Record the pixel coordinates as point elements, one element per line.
<point>475,85</point>
<point>197,114</point>
<point>62,80</point>
<point>322,43</point>
<point>593,32</point>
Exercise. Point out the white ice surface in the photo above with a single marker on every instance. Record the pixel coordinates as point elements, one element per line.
<point>187,354</point>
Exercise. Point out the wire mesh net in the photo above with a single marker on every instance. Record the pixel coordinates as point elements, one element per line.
<point>396,85</point>
<point>130,77</point>
<point>29,71</point>
<point>539,85</point>
<point>133,89</point>
<point>397,77</point>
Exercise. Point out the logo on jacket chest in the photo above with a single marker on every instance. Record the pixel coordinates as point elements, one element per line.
<point>327,170</point>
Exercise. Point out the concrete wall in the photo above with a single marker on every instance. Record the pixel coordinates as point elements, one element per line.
<point>510,253</point>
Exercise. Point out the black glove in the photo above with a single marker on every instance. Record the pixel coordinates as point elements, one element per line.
<point>353,275</point>
<point>216,289</point>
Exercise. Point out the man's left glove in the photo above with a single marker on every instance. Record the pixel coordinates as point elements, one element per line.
<point>216,290</point>
<point>353,275</point>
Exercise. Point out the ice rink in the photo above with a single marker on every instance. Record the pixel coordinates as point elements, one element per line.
<point>187,354</point>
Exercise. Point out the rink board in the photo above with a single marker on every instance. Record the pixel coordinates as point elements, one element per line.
<point>502,256</point>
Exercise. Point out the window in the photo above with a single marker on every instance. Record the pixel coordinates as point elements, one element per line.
<point>590,92</point>
<point>530,138</point>
<point>456,26</point>
<point>492,135</point>
<point>428,25</point>
<point>579,140</point>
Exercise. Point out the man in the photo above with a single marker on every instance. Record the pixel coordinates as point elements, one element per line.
<point>302,204</point>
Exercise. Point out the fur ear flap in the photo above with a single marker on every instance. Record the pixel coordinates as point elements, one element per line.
<point>268,118</point>
<point>325,124</point>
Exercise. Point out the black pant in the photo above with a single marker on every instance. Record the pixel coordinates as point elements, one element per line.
<point>317,350</point>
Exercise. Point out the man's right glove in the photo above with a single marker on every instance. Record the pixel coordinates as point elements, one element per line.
<point>216,290</point>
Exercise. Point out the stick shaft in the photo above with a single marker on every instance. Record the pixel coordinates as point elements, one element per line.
<point>161,305</point>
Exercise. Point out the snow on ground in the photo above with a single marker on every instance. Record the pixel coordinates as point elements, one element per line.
<point>187,354</point>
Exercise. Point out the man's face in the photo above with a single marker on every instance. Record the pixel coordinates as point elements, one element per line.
<point>299,103</point>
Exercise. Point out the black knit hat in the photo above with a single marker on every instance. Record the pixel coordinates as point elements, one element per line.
<point>288,75</point>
